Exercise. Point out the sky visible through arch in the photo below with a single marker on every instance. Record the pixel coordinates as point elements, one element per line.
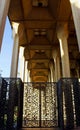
<point>6,51</point>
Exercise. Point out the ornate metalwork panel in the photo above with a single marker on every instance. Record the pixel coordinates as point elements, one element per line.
<point>68,103</point>
<point>3,89</point>
<point>11,95</point>
<point>45,104</point>
<point>40,105</point>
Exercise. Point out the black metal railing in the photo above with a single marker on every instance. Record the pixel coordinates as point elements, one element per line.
<point>3,103</point>
<point>68,91</point>
<point>45,104</point>
<point>11,102</point>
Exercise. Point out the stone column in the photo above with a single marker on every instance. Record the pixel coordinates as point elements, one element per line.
<point>28,76</point>
<point>25,72</point>
<point>22,61</point>
<point>52,71</point>
<point>4,6</point>
<point>58,68</point>
<point>56,58</point>
<point>49,76</point>
<point>15,54</point>
<point>75,5</point>
<point>62,34</point>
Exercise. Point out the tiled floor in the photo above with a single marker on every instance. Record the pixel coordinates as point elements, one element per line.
<point>40,129</point>
<point>78,128</point>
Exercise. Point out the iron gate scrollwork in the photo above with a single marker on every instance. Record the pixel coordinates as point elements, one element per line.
<point>40,105</point>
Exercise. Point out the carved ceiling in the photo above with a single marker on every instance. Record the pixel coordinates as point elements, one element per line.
<point>37,32</point>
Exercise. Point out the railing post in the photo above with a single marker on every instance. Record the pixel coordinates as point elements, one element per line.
<point>67,82</point>
<point>11,104</point>
<point>40,121</point>
<point>20,104</point>
<point>60,105</point>
<point>3,89</point>
<point>76,90</point>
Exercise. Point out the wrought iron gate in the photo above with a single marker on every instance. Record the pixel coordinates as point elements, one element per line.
<point>40,105</point>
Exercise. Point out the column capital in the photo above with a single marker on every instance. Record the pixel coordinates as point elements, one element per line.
<point>15,26</point>
<point>21,54</point>
<point>51,62</point>
<point>55,52</point>
<point>62,30</point>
